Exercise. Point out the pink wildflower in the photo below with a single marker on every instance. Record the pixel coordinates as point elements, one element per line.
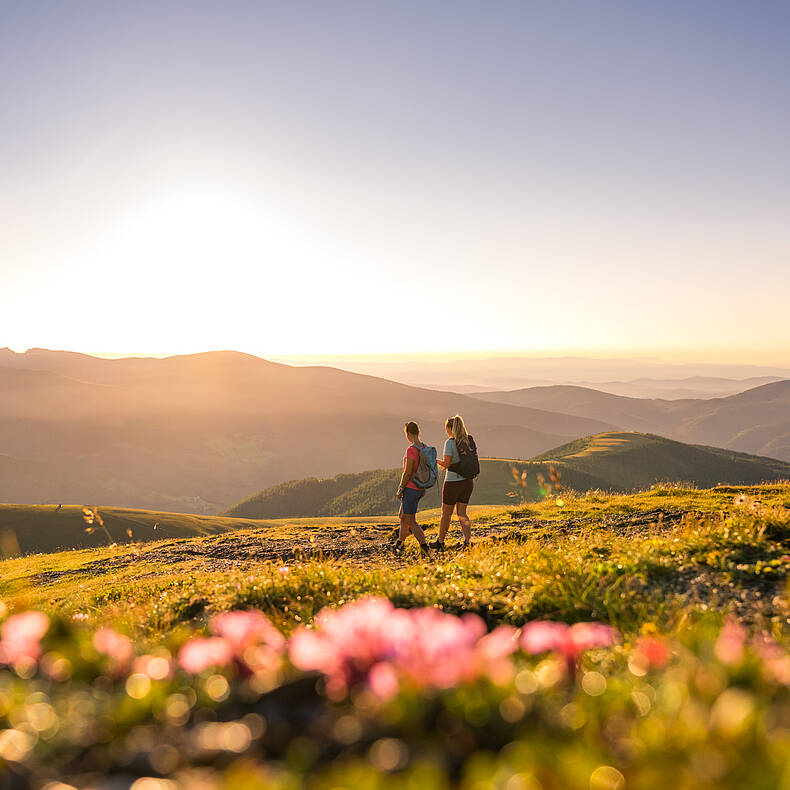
<point>372,642</point>
<point>730,645</point>
<point>283,570</point>
<point>776,662</point>
<point>20,637</point>
<point>155,667</point>
<point>652,652</point>
<point>493,653</point>
<point>244,628</point>
<point>312,651</point>
<point>199,654</point>
<point>586,636</point>
<point>383,680</point>
<point>116,646</point>
<point>348,641</point>
<point>502,641</point>
<point>542,636</point>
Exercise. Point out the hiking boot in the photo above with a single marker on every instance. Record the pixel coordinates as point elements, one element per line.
<point>398,547</point>
<point>437,545</point>
<point>394,535</point>
<point>467,545</point>
<point>425,550</point>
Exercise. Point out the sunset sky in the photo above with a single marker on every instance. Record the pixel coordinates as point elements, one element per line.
<point>295,178</point>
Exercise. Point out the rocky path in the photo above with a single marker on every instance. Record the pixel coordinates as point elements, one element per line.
<point>365,543</point>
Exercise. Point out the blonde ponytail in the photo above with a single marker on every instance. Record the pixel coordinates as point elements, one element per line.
<point>458,429</point>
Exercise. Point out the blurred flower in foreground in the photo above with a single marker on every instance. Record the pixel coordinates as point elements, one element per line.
<point>372,642</point>
<point>244,628</point>
<point>246,636</point>
<point>775,661</point>
<point>155,667</point>
<point>200,654</point>
<point>568,641</point>
<point>20,637</point>
<point>650,652</point>
<point>115,646</point>
<point>730,645</point>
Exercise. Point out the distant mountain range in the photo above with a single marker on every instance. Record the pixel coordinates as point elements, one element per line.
<point>614,461</point>
<point>197,433</point>
<point>677,389</point>
<point>635,377</point>
<point>755,421</point>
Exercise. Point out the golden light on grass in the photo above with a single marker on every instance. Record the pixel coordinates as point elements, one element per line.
<point>217,688</point>
<point>15,745</point>
<point>606,777</point>
<point>138,685</point>
<point>593,683</point>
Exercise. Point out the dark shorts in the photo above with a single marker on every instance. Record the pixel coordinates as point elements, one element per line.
<point>411,498</point>
<point>457,491</point>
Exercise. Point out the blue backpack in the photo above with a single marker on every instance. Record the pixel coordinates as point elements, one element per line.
<point>427,472</point>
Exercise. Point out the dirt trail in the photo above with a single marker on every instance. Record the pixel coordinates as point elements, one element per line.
<point>360,543</point>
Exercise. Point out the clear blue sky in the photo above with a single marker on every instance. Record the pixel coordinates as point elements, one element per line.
<point>337,177</point>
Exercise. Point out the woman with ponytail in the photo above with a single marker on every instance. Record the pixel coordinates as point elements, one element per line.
<point>457,489</point>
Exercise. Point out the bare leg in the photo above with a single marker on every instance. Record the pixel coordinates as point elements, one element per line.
<point>404,526</point>
<point>466,524</point>
<point>415,528</point>
<point>444,524</point>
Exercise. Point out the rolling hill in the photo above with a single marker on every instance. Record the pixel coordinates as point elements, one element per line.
<point>609,461</point>
<point>46,528</point>
<point>198,432</point>
<point>755,421</point>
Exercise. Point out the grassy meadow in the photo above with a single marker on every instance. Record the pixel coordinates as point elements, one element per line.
<point>693,689</point>
<point>687,551</point>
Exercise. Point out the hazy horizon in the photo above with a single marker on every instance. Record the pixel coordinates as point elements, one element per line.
<point>691,358</point>
<point>687,358</point>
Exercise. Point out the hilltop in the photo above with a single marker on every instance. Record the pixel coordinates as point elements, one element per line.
<point>46,528</point>
<point>163,582</point>
<point>624,461</point>
<point>664,568</point>
<point>612,461</point>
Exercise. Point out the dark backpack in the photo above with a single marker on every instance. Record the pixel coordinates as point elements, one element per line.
<point>469,465</point>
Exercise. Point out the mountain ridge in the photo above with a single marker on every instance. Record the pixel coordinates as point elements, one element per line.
<point>755,421</point>
<point>148,432</point>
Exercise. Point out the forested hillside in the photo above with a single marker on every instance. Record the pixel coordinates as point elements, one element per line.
<point>609,461</point>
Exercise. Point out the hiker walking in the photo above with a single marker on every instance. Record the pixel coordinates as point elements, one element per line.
<point>462,465</point>
<point>419,473</point>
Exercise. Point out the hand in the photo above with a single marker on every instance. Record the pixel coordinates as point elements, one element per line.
<point>399,494</point>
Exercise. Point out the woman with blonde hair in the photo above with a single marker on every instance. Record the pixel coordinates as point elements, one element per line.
<point>462,465</point>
